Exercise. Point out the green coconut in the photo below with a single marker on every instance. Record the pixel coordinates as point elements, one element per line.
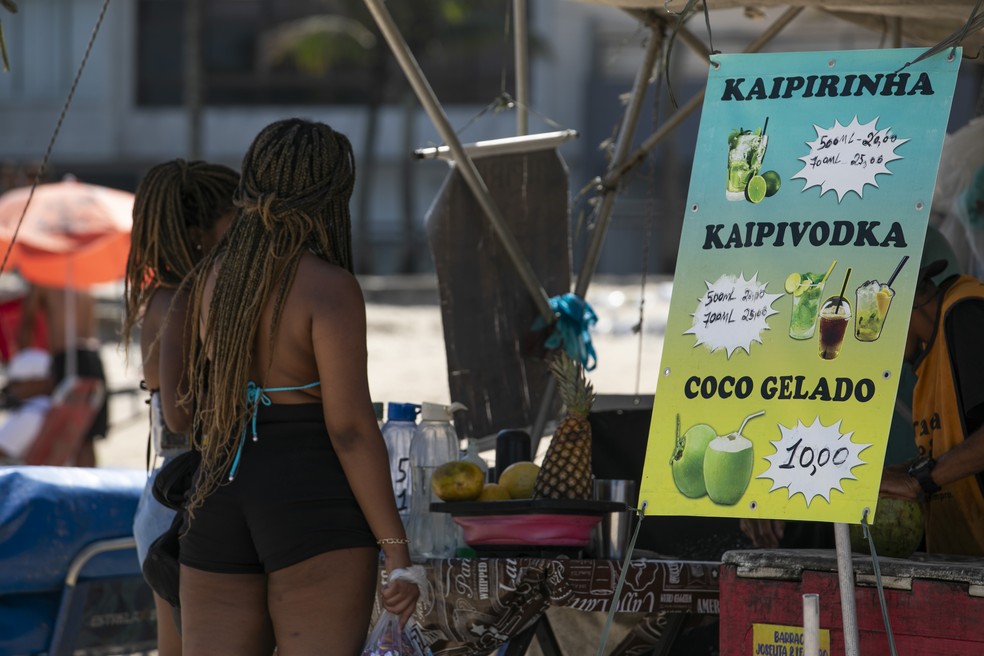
<point>897,530</point>
<point>728,468</point>
<point>687,463</point>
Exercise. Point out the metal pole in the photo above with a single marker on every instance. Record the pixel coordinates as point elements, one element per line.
<point>811,625</point>
<point>845,576</point>
<point>521,48</point>
<point>619,168</point>
<point>896,23</point>
<point>467,167</point>
<point>625,135</point>
<point>640,154</point>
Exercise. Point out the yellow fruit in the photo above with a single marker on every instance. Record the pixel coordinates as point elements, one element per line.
<point>458,480</point>
<point>792,282</point>
<point>494,492</point>
<point>518,479</point>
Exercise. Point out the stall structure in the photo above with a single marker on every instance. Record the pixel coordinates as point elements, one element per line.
<point>932,24</point>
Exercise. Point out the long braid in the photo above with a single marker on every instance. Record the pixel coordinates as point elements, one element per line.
<point>293,197</point>
<point>171,198</point>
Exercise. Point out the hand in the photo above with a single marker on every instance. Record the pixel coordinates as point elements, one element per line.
<point>400,598</point>
<point>897,484</point>
<point>764,533</point>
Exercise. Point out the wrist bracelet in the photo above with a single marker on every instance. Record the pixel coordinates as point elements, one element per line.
<point>383,541</point>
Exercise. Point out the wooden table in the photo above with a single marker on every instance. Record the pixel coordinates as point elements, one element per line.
<point>480,604</point>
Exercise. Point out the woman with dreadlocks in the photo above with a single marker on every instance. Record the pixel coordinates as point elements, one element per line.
<point>181,209</point>
<point>293,499</point>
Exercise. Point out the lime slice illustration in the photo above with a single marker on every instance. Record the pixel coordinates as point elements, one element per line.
<point>772,183</point>
<point>802,287</point>
<point>792,282</point>
<point>755,191</point>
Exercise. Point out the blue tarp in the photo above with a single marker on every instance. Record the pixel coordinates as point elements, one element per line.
<point>49,514</point>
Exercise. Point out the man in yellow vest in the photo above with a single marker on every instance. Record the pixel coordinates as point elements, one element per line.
<point>945,347</point>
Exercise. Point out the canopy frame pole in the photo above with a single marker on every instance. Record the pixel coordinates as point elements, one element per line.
<point>521,35</point>
<point>625,134</point>
<point>469,172</point>
<point>640,154</point>
<point>622,164</point>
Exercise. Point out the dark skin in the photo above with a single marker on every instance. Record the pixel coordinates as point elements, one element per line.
<point>965,459</point>
<point>163,350</point>
<point>311,607</point>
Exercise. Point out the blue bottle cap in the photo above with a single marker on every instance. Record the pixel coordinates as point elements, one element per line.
<point>402,411</point>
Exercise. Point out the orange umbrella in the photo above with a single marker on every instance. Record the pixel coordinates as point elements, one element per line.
<point>74,235</point>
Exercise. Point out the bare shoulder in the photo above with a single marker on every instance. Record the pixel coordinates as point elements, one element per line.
<point>327,285</point>
<point>157,309</point>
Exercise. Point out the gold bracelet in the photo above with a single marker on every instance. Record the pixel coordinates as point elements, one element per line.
<point>383,541</point>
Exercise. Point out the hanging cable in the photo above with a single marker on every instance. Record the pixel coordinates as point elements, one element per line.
<point>54,135</point>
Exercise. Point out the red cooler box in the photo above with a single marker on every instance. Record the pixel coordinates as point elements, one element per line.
<point>935,603</point>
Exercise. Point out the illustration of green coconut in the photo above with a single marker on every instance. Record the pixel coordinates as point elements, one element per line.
<point>687,463</point>
<point>728,465</point>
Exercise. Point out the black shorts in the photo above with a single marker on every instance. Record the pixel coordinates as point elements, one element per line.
<point>89,365</point>
<point>290,501</point>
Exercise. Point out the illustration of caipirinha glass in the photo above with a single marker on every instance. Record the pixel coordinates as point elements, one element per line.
<point>746,150</point>
<point>806,290</point>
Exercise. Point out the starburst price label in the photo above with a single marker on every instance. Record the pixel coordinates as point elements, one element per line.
<point>847,158</point>
<point>732,313</point>
<point>813,460</point>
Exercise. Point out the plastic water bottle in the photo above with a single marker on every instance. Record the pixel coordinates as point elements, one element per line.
<point>398,433</point>
<point>435,442</point>
<point>471,455</point>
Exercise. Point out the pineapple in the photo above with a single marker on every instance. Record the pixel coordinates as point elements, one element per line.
<point>566,469</point>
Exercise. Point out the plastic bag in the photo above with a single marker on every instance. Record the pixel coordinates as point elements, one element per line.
<point>386,638</point>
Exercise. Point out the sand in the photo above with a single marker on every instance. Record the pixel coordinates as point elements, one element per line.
<point>407,361</point>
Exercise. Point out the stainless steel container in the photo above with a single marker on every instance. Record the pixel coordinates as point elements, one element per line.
<point>611,536</point>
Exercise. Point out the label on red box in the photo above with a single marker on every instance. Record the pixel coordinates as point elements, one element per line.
<point>780,640</point>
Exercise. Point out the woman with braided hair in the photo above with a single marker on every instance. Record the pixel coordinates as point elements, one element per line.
<point>181,209</point>
<point>293,500</point>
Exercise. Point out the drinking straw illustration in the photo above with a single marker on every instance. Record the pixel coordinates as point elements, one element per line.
<point>764,126</point>
<point>840,298</point>
<point>832,265</point>
<point>751,416</point>
<point>905,258</point>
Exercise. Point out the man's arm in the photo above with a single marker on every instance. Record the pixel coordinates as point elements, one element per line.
<point>962,331</point>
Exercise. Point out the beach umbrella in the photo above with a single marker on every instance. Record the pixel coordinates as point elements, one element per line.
<point>73,236</point>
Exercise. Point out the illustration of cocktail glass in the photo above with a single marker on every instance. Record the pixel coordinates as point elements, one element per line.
<point>746,149</point>
<point>834,316</point>
<point>806,305</point>
<point>873,301</point>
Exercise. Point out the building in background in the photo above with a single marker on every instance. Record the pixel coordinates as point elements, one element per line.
<point>134,105</point>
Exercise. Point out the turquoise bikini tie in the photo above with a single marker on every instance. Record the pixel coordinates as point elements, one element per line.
<point>255,396</point>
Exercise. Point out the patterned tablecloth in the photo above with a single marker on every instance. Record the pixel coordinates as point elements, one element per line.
<point>478,604</point>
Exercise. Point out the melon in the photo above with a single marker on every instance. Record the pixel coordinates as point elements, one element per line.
<point>897,529</point>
